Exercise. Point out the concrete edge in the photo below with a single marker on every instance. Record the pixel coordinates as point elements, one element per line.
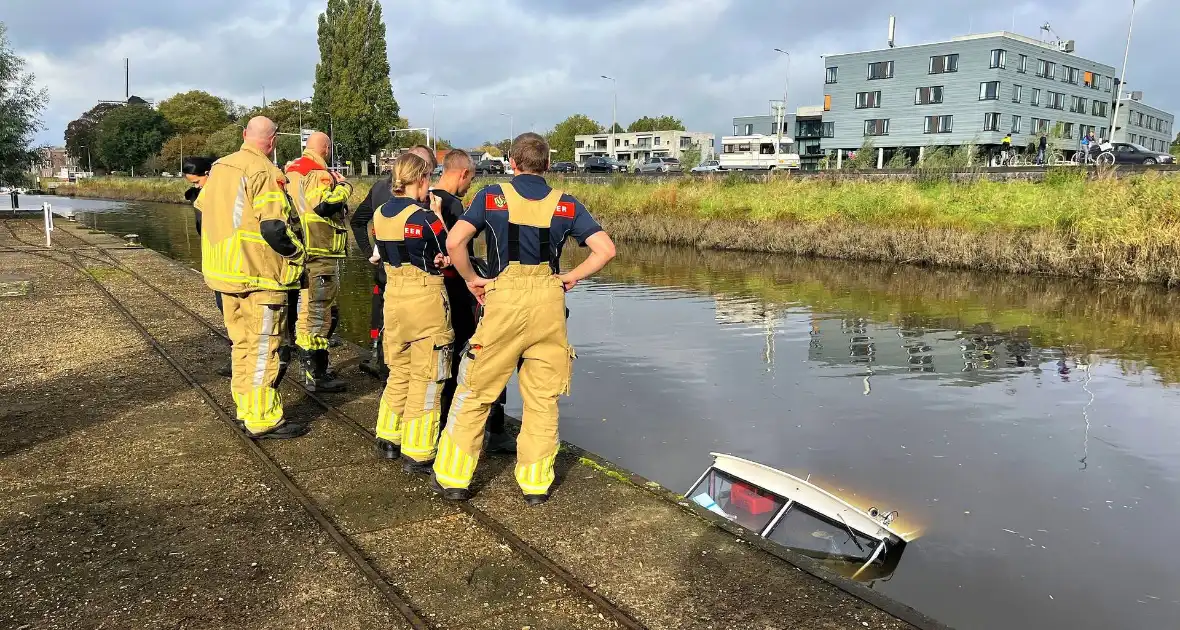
<point>604,467</point>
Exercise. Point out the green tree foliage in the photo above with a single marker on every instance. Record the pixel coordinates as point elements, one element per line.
<point>659,123</point>
<point>1176,146</point>
<point>616,128</point>
<point>131,134</point>
<point>21,104</point>
<point>352,78</point>
<point>195,112</point>
<point>899,160</point>
<point>866,157</point>
<point>490,148</point>
<point>224,141</point>
<point>561,138</point>
<point>81,134</point>
<point>180,146</point>
<point>690,157</point>
<point>505,146</point>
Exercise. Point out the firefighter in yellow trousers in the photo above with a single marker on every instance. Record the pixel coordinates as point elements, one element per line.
<point>321,198</point>
<point>250,256</point>
<point>524,323</point>
<point>418,335</point>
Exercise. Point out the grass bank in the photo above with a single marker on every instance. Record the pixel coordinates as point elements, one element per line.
<point>1070,225</point>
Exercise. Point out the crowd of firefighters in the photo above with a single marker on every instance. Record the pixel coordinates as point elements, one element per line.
<point>450,330</point>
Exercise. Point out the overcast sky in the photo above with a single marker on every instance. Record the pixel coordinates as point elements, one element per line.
<point>704,61</point>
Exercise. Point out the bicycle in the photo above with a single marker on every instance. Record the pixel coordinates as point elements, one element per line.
<point>1009,158</point>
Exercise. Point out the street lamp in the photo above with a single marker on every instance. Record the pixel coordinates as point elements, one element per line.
<point>511,127</point>
<point>614,114</point>
<point>433,111</point>
<point>783,120</point>
<point>89,164</point>
<point>1118,101</point>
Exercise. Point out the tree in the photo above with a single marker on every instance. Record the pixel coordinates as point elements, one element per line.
<point>224,141</point>
<point>490,148</point>
<point>561,138</point>
<point>659,123</point>
<point>352,78</point>
<point>616,128</point>
<point>1176,146</point>
<point>195,112</point>
<point>690,157</point>
<point>131,134</point>
<point>82,133</point>
<point>180,146</point>
<point>865,157</point>
<point>21,104</point>
<point>505,146</point>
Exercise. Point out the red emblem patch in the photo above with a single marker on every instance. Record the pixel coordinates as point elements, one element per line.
<point>495,202</point>
<point>413,231</point>
<point>282,182</point>
<point>565,209</point>
<point>437,227</point>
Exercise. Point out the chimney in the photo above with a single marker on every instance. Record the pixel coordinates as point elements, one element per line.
<point>892,30</point>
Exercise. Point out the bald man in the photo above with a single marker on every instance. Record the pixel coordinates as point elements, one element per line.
<point>250,256</point>
<point>321,201</point>
<point>378,195</point>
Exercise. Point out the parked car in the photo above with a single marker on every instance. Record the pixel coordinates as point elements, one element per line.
<point>489,167</point>
<point>437,170</point>
<point>563,167</point>
<point>619,167</point>
<point>708,166</point>
<point>603,165</point>
<point>660,165</point>
<point>1128,153</point>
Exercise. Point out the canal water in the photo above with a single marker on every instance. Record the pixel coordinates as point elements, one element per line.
<point>1027,429</point>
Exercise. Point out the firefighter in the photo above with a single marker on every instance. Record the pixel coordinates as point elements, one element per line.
<point>378,195</point>
<point>524,324</point>
<point>196,172</point>
<point>321,199</point>
<point>250,256</point>
<point>417,334</point>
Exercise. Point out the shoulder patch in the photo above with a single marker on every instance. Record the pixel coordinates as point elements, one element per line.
<point>413,231</point>
<point>565,209</point>
<point>436,227</point>
<point>495,202</point>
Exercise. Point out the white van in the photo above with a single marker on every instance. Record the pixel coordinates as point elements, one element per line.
<point>758,153</point>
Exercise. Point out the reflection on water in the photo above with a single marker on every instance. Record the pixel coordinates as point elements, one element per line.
<point>1026,425</point>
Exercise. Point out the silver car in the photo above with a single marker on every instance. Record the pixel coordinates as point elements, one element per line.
<point>708,166</point>
<point>660,165</point>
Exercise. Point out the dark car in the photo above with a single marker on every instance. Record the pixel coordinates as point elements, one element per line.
<point>564,167</point>
<point>489,167</point>
<point>603,165</point>
<point>1128,153</point>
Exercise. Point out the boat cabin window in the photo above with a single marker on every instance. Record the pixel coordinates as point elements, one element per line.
<point>806,532</point>
<point>739,501</point>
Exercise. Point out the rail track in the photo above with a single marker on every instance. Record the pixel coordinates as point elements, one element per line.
<point>398,599</point>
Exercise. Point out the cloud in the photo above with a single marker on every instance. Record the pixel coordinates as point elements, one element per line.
<point>704,61</point>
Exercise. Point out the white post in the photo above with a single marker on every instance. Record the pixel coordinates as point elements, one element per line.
<point>880,158</point>
<point>921,154</point>
<point>47,211</point>
<point>839,159</point>
<point>1118,101</point>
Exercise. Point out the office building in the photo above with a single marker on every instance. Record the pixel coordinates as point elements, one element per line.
<point>1144,125</point>
<point>805,126</point>
<point>639,146</point>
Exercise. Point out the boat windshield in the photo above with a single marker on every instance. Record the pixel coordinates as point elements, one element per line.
<point>739,501</point>
<point>805,531</point>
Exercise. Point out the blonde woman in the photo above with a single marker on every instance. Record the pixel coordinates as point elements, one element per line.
<point>411,241</point>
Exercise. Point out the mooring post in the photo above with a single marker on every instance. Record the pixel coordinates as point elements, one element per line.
<point>47,210</point>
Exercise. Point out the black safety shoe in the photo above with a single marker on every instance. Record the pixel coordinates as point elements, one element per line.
<point>226,370</point>
<point>335,341</point>
<point>316,376</point>
<point>285,431</point>
<point>417,468</point>
<point>450,494</point>
<point>387,450</point>
<point>533,500</point>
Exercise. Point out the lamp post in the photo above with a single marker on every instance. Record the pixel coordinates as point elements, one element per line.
<point>89,164</point>
<point>433,111</point>
<point>783,120</point>
<point>1118,101</point>
<point>614,115</point>
<point>511,127</point>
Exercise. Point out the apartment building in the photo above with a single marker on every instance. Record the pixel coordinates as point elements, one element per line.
<point>805,126</point>
<point>1144,125</point>
<point>642,145</point>
<point>969,90</point>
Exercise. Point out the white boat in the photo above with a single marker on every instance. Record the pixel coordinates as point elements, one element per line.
<point>797,514</point>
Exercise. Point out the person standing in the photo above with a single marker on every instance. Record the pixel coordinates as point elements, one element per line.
<point>417,335</point>
<point>524,323</point>
<point>1042,149</point>
<point>250,256</point>
<point>378,194</point>
<point>321,200</point>
<point>196,172</point>
<point>458,172</point>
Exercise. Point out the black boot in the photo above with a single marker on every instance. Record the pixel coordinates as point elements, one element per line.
<point>375,365</point>
<point>285,431</point>
<point>415,467</point>
<point>497,440</point>
<point>226,369</point>
<point>533,500</point>
<point>387,450</point>
<point>315,374</point>
<point>450,494</point>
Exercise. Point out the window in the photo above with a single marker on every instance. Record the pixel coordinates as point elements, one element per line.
<point>1067,131</point>
<point>827,102</point>
<point>1046,69</point>
<point>881,70</point>
<point>1085,130</point>
<point>579,144</point>
<point>1070,75</point>
<point>829,130</point>
<point>944,63</point>
<point>998,58</point>
<point>1017,93</point>
<point>1056,100</point>
<point>657,142</point>
<point>1099,108</point>
<point>989,90</point>
<point>1040,125</point>
<point>928,95</point>
<point>830,76</point>
<point>618,142</point>
<point>1022,67</point>
<point>1036,97</point>
<point>866,100</point>
<point>991,122</point>
<point>1106,82</point>
<point>749,130</point>
<point>1102,132</point>
<point>1016,124</point>
<point>1077,105</point>
<point>685,142</point>
<point>1088,80</point>
<point>877,127</point>
<point>938,124</point>
<point>1151,122</point>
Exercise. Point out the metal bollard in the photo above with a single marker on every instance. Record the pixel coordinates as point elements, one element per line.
<point>47,211</point>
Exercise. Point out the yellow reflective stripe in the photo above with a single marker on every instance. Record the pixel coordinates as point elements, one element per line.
<point>270,197</point>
